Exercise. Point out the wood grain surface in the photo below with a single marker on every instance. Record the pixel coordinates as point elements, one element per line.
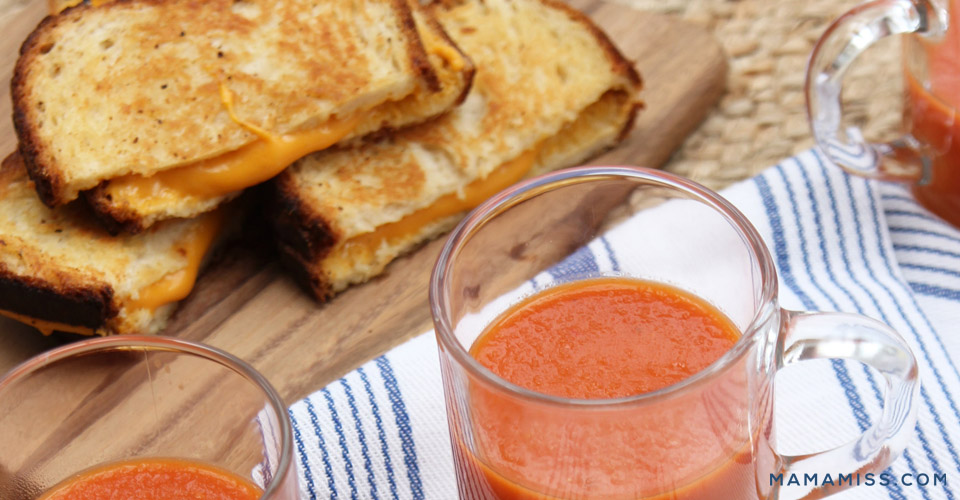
<point>246,304</point>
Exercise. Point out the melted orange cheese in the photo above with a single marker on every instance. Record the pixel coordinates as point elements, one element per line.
<point>47,327</point>
<point>171,288</point>
<point>56,7</point>
<point>473,194</point>
<point>178,284</point>
<point>449,54</point>
<point>236,170</point>
<point>440,47</point>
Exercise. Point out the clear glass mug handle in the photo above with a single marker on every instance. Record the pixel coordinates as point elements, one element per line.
<point>852,33</point>
<point>806,335</point>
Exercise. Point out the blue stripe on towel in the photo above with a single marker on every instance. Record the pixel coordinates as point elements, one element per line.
<point>938,270</point>
<point>923,232</point>
<point>935,291</point>
<point>361,436</point>
<point>786,272</point>
<point>342,441</point>
<point>384,445</point>
<point>802,237</point>
<point>933,461</point>
<point>861,242</point>
<point>814,206</point>
<point>897,197</point>
<point>302,451</point>
<point>910,213</point>
<point>614,263</point>
<point>403,425</point>
<point>324,453</point>
<point>926,250</point>
<point>578,264</point>
<point>920,343</point>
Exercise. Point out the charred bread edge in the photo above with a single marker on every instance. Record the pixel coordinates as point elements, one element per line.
<point>419,61</point>
<point>306,232</point>
<point>49,185</point>
<point>317,286</point>
<point>86,306</point>
<point>114,218</point>
<point>304,236</point>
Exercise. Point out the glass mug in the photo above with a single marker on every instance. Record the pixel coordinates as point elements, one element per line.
<point>928,154</point>
<point>119,398</point>
<point>709,436</point>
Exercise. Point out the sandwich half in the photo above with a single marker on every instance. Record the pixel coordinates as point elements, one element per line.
<point>61,271</point>
<point>167,108</point>
<point>550,90</point>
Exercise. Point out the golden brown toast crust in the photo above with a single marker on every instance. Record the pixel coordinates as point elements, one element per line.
<point>618,62</point>
<point>418,54</point>
<point>63,300</point>
<point>114,218</point>
<point>50,184</point>
<point>46,181</point>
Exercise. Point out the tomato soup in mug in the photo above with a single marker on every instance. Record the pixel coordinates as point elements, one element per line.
<point>603,339</point>
<point>154,479</point>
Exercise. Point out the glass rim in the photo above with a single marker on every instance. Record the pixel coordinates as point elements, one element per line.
<point>170,344</point>
<point>535,186</point>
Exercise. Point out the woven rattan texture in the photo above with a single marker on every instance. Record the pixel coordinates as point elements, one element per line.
<point>762,118</point>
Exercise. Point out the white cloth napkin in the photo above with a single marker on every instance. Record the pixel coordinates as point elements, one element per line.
<point>839,242</point>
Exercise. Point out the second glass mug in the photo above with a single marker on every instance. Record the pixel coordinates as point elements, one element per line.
<point>927,155</point>
<point>708,437</point>
<point>113,399</point>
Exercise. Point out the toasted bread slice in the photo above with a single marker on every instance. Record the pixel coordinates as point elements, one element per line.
<point>133,89</point>
<point>131,211</point>
<point>550,91</point>
<point>60,270</point>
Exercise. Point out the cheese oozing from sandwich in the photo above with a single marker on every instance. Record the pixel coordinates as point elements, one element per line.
<point>47,327</point>
<point>434,45</point>
<point>170,288</point>
<point>57,6</point>
<point>233,171</point>
<point>177,285</point>
<point>472,195</point>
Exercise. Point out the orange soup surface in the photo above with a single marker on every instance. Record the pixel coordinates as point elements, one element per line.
<point>610,338</point>
<point>154,479</point>
<point>605,338</point>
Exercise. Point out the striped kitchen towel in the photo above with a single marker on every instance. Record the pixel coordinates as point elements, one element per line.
<point>839,242</point>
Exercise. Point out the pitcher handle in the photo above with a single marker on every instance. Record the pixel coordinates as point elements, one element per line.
<point>852,33</point>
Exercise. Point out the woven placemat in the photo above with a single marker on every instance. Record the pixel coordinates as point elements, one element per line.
<point>762,118</point>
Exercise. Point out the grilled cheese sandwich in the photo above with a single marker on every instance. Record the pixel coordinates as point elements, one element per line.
<point>61,271</point>
<point>550,91</point>
<point>165,146</point>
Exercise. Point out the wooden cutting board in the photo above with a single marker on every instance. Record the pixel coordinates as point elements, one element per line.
<point>245,303</point>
